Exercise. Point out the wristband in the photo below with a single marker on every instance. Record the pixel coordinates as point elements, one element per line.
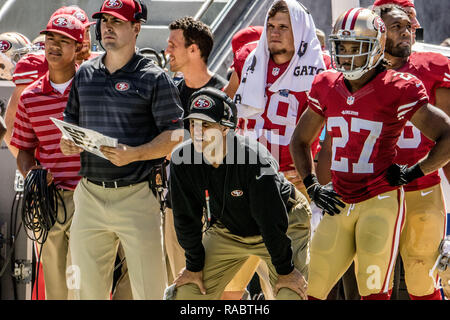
<point>414,172</point>
<point>310,180</point>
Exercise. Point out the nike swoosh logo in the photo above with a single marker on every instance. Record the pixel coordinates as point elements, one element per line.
<point>257,178</point>
<point>425,193</point>
<point>383,197</point>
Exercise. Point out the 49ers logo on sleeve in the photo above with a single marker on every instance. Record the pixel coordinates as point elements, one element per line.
<point>203,102</point>
<point>114,4</point>
<point>122,86</point>
<point>5,45</point>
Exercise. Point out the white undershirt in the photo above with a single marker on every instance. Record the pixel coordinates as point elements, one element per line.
<point>61,87</point>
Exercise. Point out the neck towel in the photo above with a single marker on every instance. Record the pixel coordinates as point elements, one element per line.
<point>250,97</point>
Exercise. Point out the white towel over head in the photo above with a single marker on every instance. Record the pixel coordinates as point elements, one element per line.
<point>250,97</point>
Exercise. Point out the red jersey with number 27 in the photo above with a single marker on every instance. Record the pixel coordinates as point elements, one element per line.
<point>276,124</point>
<point>433,69</point>
<point>364,127</point>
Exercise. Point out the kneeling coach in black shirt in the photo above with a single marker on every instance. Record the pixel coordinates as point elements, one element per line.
<point>228,187</point>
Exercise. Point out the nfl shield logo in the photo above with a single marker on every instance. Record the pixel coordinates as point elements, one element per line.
<point>350,100</point>
<point>275,71</point>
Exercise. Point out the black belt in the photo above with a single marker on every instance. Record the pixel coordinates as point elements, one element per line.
<point>291,200</point>
<point>114,184</point>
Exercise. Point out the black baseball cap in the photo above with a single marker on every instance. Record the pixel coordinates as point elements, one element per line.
<point>213,105</point>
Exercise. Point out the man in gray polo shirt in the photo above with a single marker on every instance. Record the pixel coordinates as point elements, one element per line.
<point>123,95</point>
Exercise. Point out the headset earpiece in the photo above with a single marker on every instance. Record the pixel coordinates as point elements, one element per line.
<point>98,33</point>
<point>141,15</point>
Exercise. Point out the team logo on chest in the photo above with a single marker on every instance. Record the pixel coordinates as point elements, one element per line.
<point>275,71</point>
<point>5,45</point>
<point>122,86</point>
<point>350,100</point>
<point>237,193</point>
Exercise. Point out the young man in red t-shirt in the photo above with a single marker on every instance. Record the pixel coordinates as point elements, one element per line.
<point>37,139</point>
<point>34,65</point>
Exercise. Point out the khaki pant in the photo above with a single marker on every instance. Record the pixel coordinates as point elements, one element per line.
<point>425,227</point>
<point>226,253</point>
<point>174,251</point>
<point>103,216</point>
<point>55,254</point>
<point>367,232</point>
<point>122,290</point>
<point>254,264</point>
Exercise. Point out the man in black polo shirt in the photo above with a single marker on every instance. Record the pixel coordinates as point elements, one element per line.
<point>189,45</point>
<point>251,209</point>
<point>123,95</point>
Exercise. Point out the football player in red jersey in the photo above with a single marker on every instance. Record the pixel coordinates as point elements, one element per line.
<point>275,121</point>
<point>366,109</point>
<point>282,108</point>
<point>425,224</point>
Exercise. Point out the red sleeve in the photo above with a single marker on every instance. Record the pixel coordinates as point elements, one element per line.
<point>441,69</point>
<point>314,102</point>
<point>413,97</point>
<point>29,69</point>
<point>23,136</point>
<point>327,60</point>
<point>240,57</point>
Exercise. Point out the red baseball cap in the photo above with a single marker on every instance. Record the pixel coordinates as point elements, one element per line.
<point>77,12</point>
<point>401,3</point>
<point>66,25</point>
<point>122,9</point>
<point>246,35</point>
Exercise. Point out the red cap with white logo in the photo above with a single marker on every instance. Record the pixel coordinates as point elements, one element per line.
<point>66,25</point>
<point>122,9</point>
<point>77,12</point>
<point>401,3</point>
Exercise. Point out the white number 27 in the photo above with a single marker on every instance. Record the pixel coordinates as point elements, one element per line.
<point>363,165</point>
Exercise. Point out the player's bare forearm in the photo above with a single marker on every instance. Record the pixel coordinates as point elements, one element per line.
<point>443,99</point>
<point>439,131</point>
<point>10,117</point>
<point>306,131</point>
<point>2,132</point>
<point>25,161</point>
<point>232,86</point>
<point>446,170</point>
<point>161,146</point>
<point>324,161</point>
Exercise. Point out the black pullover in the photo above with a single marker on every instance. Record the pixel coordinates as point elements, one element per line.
<point>247,195</point>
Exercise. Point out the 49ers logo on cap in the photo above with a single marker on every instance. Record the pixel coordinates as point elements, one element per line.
<point>113,4</point>
<point>379,24</point>
<point>80,16</point>
<point>122,86</point>
<point>202,102</point>
<point>63,23</point>
<point>5,45</point>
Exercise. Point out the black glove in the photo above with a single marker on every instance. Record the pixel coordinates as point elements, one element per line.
<point>398,175</point>
<point>323,196</point>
